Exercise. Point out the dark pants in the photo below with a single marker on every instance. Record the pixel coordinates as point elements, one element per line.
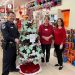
<point>59,53</point>
<point>9,59</point>
<point>47,49</point>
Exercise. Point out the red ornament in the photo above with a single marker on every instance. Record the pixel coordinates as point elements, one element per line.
<point>38,1</point>
<point>20,12</point>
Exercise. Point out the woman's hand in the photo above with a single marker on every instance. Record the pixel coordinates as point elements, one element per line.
<point>17,41</point>
<point>46,38</point>
<point>61,46</point>
<point>50,36</point>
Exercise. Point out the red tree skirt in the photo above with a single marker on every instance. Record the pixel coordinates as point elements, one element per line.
<point>29,69</point>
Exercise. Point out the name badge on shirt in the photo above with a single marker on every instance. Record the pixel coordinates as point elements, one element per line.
<point>46,29</point>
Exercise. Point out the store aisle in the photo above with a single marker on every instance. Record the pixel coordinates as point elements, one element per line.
<point>49,69</point>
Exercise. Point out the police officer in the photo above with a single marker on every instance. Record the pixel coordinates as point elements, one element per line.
<point>10,35</point>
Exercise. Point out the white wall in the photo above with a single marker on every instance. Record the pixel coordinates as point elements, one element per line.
<point>67,4</point>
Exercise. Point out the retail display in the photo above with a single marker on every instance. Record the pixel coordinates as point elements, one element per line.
<point>40,4</point>
<point>69,53</point>
<point>28,16</point>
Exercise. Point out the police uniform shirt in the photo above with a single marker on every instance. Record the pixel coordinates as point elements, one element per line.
<point>9,31</point>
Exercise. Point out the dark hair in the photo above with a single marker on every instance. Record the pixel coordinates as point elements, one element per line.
<point>47,16</point>
<point>10,12</point>
<point>61,22</point>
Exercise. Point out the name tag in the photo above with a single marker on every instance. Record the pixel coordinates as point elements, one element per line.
<point>46,29</point>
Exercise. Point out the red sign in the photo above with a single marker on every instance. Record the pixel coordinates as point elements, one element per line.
<point>2,10</point>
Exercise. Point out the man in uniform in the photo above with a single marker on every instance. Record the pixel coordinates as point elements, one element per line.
<point>10,36</point>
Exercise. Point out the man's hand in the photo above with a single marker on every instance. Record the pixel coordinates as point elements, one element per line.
<point>17,41</point>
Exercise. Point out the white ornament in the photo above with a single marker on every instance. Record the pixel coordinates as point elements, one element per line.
<point>9,6</point>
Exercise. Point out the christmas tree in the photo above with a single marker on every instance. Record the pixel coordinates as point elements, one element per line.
<point>29,50</point>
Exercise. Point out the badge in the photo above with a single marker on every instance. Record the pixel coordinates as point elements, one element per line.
<point>3,26</point>
<point>46,29</point>
<point>11,27</point>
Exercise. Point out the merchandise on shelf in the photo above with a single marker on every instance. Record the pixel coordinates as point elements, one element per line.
<point>69,52</point>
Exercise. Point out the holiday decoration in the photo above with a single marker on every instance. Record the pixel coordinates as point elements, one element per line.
<point>43,3</point>
<point>73,63</point>
<point>29,50</point>
<point>29,69</point>
<point>20,12</point>
<point>69,52</point>
<point>35,3</point>
<point>65,59</point>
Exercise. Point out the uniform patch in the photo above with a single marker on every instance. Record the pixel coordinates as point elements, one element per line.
<point>3,26</point>
<point>11,27</point>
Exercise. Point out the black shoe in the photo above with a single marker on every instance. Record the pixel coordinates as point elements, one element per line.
<point>4,74</point>
<point>47,61</point>
<point>60,68</point>
<point>56,64</point>
<point>15,70</point>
